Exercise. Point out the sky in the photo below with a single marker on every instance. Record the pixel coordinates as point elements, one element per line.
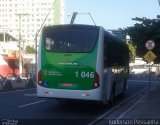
<point>111,14</point>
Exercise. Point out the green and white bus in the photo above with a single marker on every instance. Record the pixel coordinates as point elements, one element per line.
<point>82,62</point>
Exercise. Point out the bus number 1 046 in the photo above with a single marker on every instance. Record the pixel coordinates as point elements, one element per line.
<point>84,74</point>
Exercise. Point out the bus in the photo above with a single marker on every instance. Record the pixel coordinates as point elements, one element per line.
<point>81,62</point>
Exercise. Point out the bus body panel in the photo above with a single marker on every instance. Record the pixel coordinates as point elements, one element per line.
<point>39,58</point>
<point>69,71</point>
<point>100,58</point>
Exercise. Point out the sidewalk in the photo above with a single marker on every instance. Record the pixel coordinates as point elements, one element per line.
<point>143,111</point>
<point>148,107</point>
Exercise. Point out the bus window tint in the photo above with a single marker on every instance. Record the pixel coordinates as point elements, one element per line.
<point>70,40</point>
<point>48,43</point>
<point>115,52</point>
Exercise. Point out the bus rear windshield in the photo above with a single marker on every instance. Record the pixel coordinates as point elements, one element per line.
<point>70,40</point>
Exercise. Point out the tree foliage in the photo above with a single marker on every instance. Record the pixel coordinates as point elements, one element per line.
<point>146,29</point>
<point>132,49</point>
<point>30,49</point>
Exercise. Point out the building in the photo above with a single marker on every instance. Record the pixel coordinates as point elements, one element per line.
<point>9,57</point>
<point>9,54</point>
<point>22,20</point>
<point>29,15</point>
<point>118,33</point>
<point>139,66</point>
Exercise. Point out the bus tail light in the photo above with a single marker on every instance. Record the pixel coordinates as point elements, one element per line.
<point>39,78</point>
<point>96,81</point>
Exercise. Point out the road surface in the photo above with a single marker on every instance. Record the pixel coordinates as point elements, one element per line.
<point>23,106</point>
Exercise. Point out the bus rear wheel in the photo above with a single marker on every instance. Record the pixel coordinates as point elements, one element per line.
<point>112,96</point>
<point>124,87</point>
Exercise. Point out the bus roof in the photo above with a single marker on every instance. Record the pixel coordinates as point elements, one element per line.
<point>89,27</point>
<point>92,27</point>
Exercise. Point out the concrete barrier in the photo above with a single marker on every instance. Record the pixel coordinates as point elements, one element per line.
<point>7,84</point>
<point>11,83</point>
<point>19,83</point>
<point>1,85</point>
<point>14,83</point>
<point>1,82</point>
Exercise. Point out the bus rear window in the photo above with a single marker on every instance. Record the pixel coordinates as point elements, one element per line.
<point>70,40</point>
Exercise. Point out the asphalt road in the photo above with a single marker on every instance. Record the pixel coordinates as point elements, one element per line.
<point>24,107</point>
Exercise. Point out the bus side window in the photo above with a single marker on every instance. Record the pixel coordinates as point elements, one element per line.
<point>105,53</point>
<point>108,53</point>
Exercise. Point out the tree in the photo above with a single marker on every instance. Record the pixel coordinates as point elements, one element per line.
<point>146,29</point>
<point>132,49</point>
<point>30,49</point>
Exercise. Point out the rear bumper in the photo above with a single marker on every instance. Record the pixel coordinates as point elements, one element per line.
<point>94,94</point>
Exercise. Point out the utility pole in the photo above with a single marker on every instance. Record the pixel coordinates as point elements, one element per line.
<point>20,39</point>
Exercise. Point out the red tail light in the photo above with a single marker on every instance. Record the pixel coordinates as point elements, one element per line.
<point>96,81</point>
<point>39,77</point>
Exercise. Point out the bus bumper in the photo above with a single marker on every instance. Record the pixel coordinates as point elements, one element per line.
<point>94,94</point>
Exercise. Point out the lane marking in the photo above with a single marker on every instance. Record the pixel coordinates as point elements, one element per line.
<point>17,90</point>
<point>21,106</point>
<point>30,94</point>
<point>140,81</point>
<point>130,108</point>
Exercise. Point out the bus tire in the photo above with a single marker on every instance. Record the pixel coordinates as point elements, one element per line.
<point>112,96</point>
<point>124,87</point>
<point>105,100</point>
